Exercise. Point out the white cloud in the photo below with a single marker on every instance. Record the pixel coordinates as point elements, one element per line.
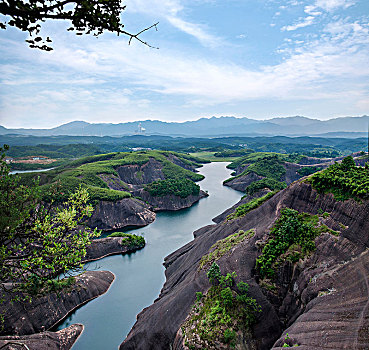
<point>170,11</point>
<point>311,71</point>
<point>303,22</point>
<point>331,5</point>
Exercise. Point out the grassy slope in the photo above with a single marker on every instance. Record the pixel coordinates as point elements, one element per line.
<point>85,171</point>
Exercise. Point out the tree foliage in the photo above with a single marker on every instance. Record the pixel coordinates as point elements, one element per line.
<point>291,229</point>
<point>344,180</point>
<point>86,17</point>
<point>39,241</point>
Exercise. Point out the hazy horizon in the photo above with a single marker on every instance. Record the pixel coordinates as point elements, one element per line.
<point>184,121</point>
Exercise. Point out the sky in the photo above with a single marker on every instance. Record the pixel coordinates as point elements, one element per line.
<point>245,58</point>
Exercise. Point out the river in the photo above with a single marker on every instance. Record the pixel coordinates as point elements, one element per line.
<point>140,276</point>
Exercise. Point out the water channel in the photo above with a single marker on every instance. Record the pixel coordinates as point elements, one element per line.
<point>140,276</point>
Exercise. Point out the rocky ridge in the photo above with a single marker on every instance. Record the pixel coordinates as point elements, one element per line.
<point>43,312</point>
<point>317,285</point>
<point>139,211</point>
<point>61,340</point>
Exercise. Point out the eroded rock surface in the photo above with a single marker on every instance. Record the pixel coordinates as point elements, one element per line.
<point>117,215</point>
<point>42,313</point>
<point>102,247</point>
<point>170,201</point>
<point>337,263</point>
<point>61,340</point>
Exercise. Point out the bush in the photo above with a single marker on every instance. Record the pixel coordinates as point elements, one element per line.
<point>291,230</point>
<point>344,180</point>
<point>217,316</point>
<point>130,240</point>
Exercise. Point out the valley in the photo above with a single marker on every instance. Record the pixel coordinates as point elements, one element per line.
<point>157,195</point>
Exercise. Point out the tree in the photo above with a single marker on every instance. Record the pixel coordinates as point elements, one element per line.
<point>86,17</point>
<point>39,241</point>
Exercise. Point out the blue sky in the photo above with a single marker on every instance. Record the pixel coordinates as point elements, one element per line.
<point>243,58</point>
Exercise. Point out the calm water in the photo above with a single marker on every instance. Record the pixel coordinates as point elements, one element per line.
<point>140,276</point>
<point>29,171</point>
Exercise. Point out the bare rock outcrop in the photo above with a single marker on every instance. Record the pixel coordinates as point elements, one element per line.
<point>116,215</point>
<point>43,312</point>
<point>61,340</point>
<point>141,174</point>
<point>297,300</point>
<point>240,183</point>
<point>102,247</point>
<point>170,201</point>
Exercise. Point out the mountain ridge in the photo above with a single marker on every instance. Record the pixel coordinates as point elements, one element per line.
<point>214,126</point>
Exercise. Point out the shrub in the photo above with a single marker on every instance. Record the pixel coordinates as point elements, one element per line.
<point>344,180</point>
<point>217,316</point>
<point>130,240</point>
<point>291,230</point>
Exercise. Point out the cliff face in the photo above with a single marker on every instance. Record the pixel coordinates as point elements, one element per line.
<point>240,183</point>
<point>116,215</point>
<point>337,262</point>
<point>138,212</point>
<point>144,174</point>
<point>102,247</point>
<point>169,201</point>
<point>43,312</point>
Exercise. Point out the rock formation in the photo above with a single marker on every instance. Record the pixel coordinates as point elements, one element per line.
<point>43,312</point>
<point>321,301</point>
<point>61,340</point>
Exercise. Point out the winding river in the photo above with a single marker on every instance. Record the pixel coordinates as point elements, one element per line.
<point>140,276</point>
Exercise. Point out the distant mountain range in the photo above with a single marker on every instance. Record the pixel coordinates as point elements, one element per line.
<point>211,127</point>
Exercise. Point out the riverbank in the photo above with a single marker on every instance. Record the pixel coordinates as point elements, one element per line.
<point>140,276</point>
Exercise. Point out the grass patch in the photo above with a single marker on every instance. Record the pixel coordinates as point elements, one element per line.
<point>223,246</point>
<point>243,209</point>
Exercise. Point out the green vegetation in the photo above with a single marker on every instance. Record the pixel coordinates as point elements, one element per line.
<point>221,313</point>
<point>308,170</point>
<point>87,171</point>
<point>210,156</point>
<point>54,151</point>
<point>179,187</point>
<point>130,240</point>
<point>36,166</point>
<point>291,238</point>
<point>173,171</point>
<point>267,165</point>
<point>253,204</point>
<point>233,153</point>
<point>279,144</point>
<point>38,241</point>
<point>35,286</point>
<point>344,180</point>
<point>269,183</point>
<point>223,246</point>
<point>260,156</point>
